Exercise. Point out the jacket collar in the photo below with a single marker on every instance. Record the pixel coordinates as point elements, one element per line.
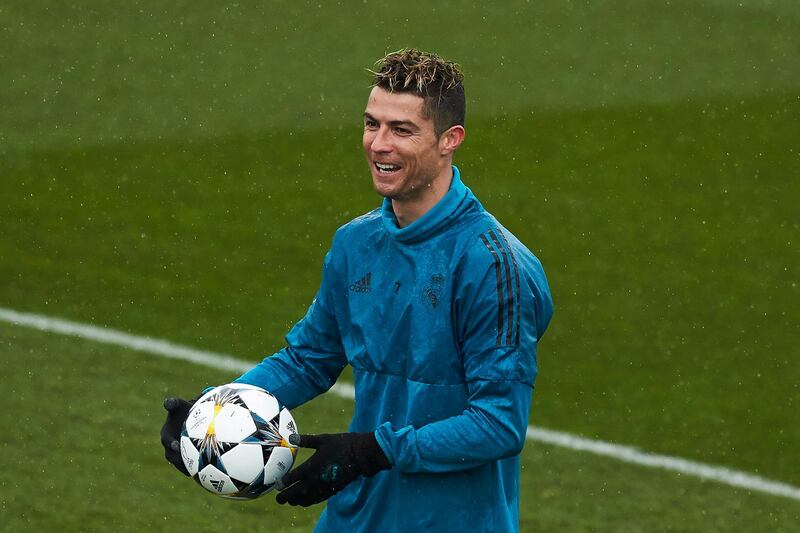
<point>440,216</point>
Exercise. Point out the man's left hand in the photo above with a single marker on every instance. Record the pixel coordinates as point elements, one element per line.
<point>339,460</point>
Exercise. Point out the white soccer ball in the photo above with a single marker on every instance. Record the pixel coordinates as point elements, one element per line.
<point>235,441</point>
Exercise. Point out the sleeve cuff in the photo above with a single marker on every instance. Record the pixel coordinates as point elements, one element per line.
<point>400,446</point>
<point>384,443</point>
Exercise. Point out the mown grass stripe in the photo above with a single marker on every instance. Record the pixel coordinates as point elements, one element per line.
<point>620,452</point>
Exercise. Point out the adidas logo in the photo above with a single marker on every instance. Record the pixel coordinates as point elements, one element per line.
<point>218,484</point>
<point>363,284</point>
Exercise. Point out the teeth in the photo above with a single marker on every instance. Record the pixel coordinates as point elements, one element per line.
<point>386,168</point>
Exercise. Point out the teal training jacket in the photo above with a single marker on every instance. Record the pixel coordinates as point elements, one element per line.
<point>440,322</point>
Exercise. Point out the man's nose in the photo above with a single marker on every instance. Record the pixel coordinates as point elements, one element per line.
<point>381,142</point>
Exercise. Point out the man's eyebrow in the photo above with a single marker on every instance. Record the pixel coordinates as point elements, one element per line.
<point>395,123</point>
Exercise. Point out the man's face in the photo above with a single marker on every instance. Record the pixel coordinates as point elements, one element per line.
<point>401,146</point>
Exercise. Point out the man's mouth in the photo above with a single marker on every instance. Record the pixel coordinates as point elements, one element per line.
<point>385,168</point>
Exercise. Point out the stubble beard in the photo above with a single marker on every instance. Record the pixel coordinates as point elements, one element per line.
<point>416,190</point>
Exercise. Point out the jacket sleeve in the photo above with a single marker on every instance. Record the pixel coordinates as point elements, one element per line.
<point>501,311</point>
<point>313,357</point>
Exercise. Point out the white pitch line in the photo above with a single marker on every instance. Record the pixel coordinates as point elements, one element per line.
<point>620,452</point>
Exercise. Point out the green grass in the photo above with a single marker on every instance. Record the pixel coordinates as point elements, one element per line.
<point>91,438</point>
<point>668,288</point>
<point>97,72</point>
<point>86,456</point>
<point>178,172</point>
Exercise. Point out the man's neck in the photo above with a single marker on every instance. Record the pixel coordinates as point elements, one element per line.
<point>408,211</point>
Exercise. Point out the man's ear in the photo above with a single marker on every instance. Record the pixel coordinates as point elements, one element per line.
<point>451,139</point>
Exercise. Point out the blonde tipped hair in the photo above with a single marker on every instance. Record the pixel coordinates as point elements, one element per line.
<point>438,81</point>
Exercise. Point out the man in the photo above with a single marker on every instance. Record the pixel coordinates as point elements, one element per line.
<point>438,309</point>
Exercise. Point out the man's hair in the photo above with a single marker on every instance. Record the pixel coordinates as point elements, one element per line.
<point>438,81</point>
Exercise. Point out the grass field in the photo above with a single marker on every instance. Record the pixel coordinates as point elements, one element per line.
<point>178,172</point>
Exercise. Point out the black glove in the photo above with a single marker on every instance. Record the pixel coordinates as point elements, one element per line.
<point>339,460</point>
<point>177,411</point>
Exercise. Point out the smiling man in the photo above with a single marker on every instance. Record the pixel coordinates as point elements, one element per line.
<point>410,152</point>
<point>438,309</point>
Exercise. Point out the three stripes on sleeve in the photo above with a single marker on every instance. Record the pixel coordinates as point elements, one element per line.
<point>508,289</point>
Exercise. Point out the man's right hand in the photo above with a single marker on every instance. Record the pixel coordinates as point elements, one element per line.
<point>177,411</point>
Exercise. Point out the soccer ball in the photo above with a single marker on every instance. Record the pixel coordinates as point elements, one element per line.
<point>234,442</point>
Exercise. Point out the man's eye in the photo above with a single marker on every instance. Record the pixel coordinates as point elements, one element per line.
<point>370,124</point>
<point>402,131</point>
